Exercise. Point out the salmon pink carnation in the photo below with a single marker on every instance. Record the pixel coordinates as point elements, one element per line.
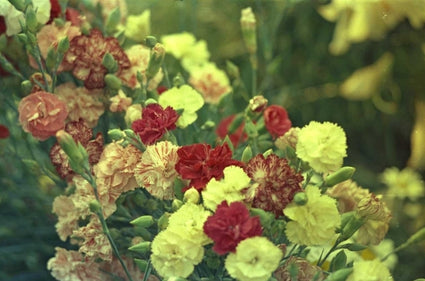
<point>42,114</point>
<point>229,225</point>
<point>276,120</point>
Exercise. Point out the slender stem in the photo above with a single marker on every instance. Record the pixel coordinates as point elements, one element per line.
<point>254,65</point>
<point>147,271</point>
<point>321,261</point>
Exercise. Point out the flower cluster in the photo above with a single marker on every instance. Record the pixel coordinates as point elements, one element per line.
<point>160,183</point>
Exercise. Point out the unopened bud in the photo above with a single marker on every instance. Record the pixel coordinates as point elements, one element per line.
<point>113,82</point>
<point>113,20</point>
<point>191,196</point>
<point>130,134</point>
<point>249,26</point>
<point>143,221</point>
<point>51,58</point>
<point>110,63</point>
<point>115,134</point>
<point>300,198</point>
<point>150,41</point>
<point>178,80</point>
<point>257,104</point>
<point>155,61</point>
<point>176,204</point>
<point>250,129</point>
<point>77,155</point>
<point>18,4</point>
<point>246,154</point>
<point>141,264</point>
<point>267,152</point>
<point>208,125</point>
<point>266,218</point>
<point>141,248</point>
<point>163,221</point>
<point>95,206</point>
<point>150,101</point>
<point>26,87</point>
<point>31,19</point>
<point>63,45</point>
<point>339,176</point>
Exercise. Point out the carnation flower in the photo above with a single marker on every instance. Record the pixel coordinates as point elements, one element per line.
<point>133,113</point>
<point>155,171</point>
<point>199,163</point>
<point>322,145</point>
<point>278,182</point>
<point>255,260</point>
<point>155,122</point>
<point>348,194</point>
<point>369,270</point>
<point>68,216</point>
<point>137,27</point>
<point>81,103</point>
<point>192,217</point>
<point>184,98</point>
<point>115,268</point>
<point>236,137</point>
<point>406,183</point>
<point>276,120</point>
<point>42,114</point>
<point>315,222</point>
<point>211,82</point>
<point>139,56</point>
<point>85,55</point>
<point>120,102</point>
<point>109,5</point>
<point>229,225</point>
<point>289,139</point>
<point>175,254</point>
<point>305,270</point>
<point>4,132</point>
<point>83,135</point>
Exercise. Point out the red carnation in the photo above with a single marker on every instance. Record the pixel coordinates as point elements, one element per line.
<point>55,10</point>
<point>235,137</point>
<point>229,225</point>
<point>2,25</point>
<point>276,120</point>
<point>85,57</point>
<point>278,182</point>
<point>155,122</point>
<point>199,163</point>
<point>4,132</point>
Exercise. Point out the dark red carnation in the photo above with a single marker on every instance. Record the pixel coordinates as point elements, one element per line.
<point>229,225</point>
<point>81,133</point>
<point>73,15</point>
<point>199,163</point>
<point>161,89</point>
<point>155,122</point>
<point>2,25</point>
<point>4,132</point>
<point>278,182</point>
<point>85,57</point>
<point>55,10</point>
<point>276,120</point>
<point>235,137</point>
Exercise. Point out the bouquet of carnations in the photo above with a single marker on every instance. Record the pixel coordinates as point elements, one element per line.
<point>175,168</point>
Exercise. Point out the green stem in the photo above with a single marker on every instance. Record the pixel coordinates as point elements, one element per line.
<point>321,261</point>
<point>254,65</point>
<point>147,271</point>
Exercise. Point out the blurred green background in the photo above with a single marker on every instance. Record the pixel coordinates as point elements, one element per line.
<point>296,71</point>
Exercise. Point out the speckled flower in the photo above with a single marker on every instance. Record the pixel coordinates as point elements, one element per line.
<point>289,139</point>
<point>85,56</point>
<point>278,182</point>
<point>348,194</point>
<point>256,258</point>
<point>120,102</point>
<point>81,103</point>
<point>306,270</point>
<point>211,82</point>
<point>156,171</point>
<point>322,145</point>
<point>315,222</point>
<point>406,183</point>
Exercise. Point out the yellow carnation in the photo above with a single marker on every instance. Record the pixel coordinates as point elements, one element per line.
<point>138,27</point>
<point>406,183</point>
<point>256,258</point>
<point>322,145</point>
<point>174,254</point>
<point>133,113</point>
<point>227,189</point>
<point>183,98</point>
<point>315,222</point>
<point>369,270</point>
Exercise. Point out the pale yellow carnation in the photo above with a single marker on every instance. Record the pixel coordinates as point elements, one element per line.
<point>184,46</point>
<point>68,217</point>
<point>120,102</point>
<point>137,27</point>
<point>183,98</point>
<point>315,222</point>
<point>289,139</point>
<point>139,56</point>
<point>133,113</point>
<point>81,103</point>
<point>322,145</point>
<point>192,217</point>
<point>406,183</point>
<point>229,188</point>
<point>369,271</point>
<point>211,82</point>
<point>155,171</point>
<point>348,194</point>
<point>256,258</point>
<point>174,254</point>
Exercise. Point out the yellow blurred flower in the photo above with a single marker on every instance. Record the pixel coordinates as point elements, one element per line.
<point>369,270</point>
<point>227,189</point>
<point>315,222</point>
<point>406,183</point>
<point>174,254</point>
<point>210,81</point>
<point>417,138</point>
<point>133,113</point>
<point>184,47</point>
<point>359,20</point>
<point>322,145</point>
<point>137,27</point>
<point>256,258</point>
<point>366,82</point>
<point>183,98</point>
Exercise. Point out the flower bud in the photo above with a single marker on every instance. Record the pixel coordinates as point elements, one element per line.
<point>26,87</point>
<point>110,63</point>
<point>249,25</point>
<point>63,45</point>
<point>141,248</point>
<point>163,221</point>
<point>267,152</point>
<point>266,218</point>
<point>51,58</point>
<point>143,221</point>
<point>208,125</point>
<point>95,206</point>
<point>246,154</point>
<point>141,264</point>
<point>257,104</point>
<point>115,134</point>
<point>18,4</point>
<point>371,207</point>
<point>300,198</point>
<point>77,155</point>
<point>155,61</point>
<point>192,196</point>
<point>341,175</point>
<point>31,19</point>
<point>113,20</point>
<point>250,129</point>
<point>130,134</point>
<point>150,41</point>
<point>178,80</point>
<point>176,204</point>
<point>113,82</point>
